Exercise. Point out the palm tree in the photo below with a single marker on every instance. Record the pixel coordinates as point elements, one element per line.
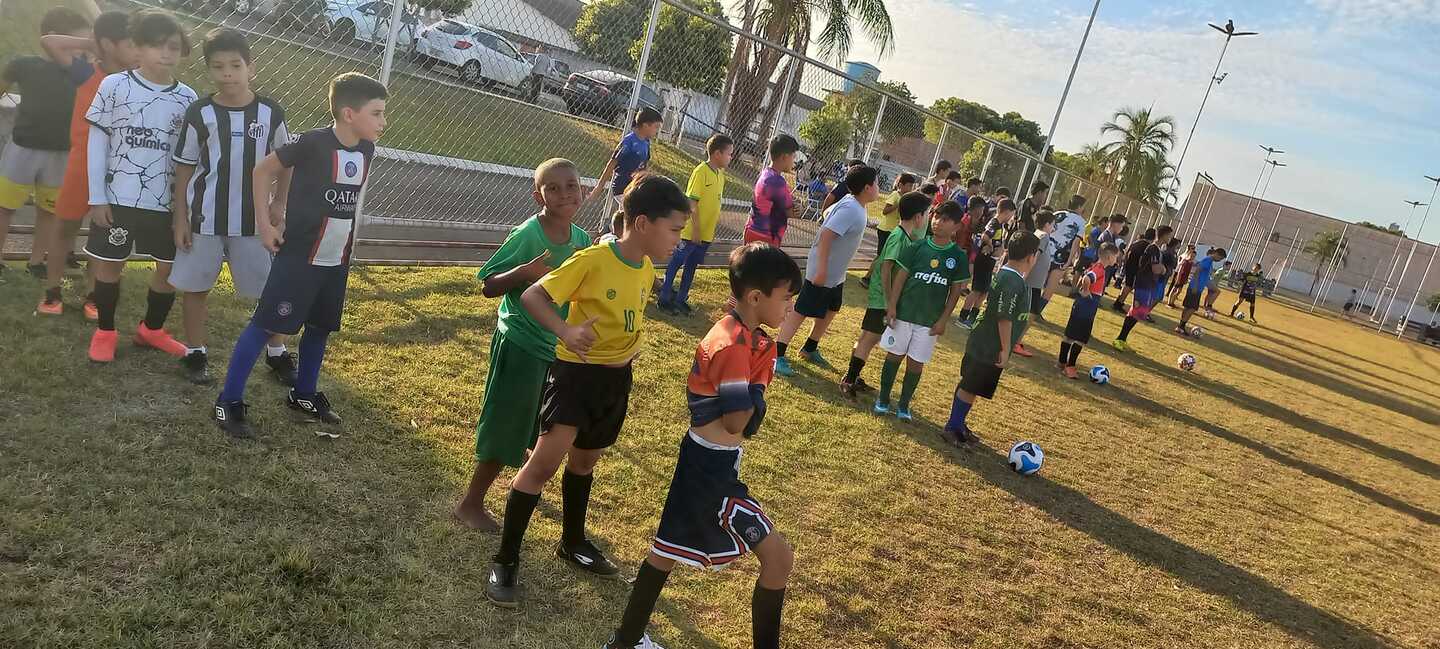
<point>1143,140</point>
<point>1323,248</point>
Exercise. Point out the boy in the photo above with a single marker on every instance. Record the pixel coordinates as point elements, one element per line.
<point>950,189</point>
<point>631,155</point>
<point>773,203</point>
<point>587,389</point>
<point>521,352</point>
<point>1068,238</point>
<point>890,216</point>
<point>830,255</point>
<point>1149,276</point>
<point>214,217</point>
<point>726,393</point>
<point>1039,193</point>
<point>1199,280</point>
<point>918,303</point>
<point>1182,276</point>
<point>1082,312</point>
<point>973,188</point>
<point>988,246</point>
<point>33,164</point>
<point>840,190</point>
<point>1213,293</point>
<point>707,185</point>
<point>135,121</point>
<point>306,286</point>
<point>987,352</point>
<point>1249,285</point>
<point>913,208</point>
<point>617,228</point>
<point>1171,258</point>
<point>1039,274</point>
<point>942,171</point>
<point>113,52</point>
<point>1131,270</point>
<point>1106,230</point>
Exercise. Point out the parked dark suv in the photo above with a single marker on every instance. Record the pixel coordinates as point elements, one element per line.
<point>604,94</point>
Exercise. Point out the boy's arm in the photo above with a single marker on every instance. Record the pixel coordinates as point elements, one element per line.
<point>604,180</point>
<point>956,290</point>
<point>97,149</point>
<point>181,206</point>
<point>525,274</point>
<point>63,47</point>
<point>263,177</point>
<point>892,292</point>
<point>1003,327</point>
<point>822,255</point>
<point>577,338</point>
<point>281,198</point>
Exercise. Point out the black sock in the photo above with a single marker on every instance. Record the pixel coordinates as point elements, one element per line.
<point>856,364</point>
<point>52,294</point>
<point>107,295</point>
<point>780,349</point>
<point>765,607</point>
<point>575,498</point>
<point>519,507</point>
<point>1125,328</point>
<point>810,345</point>
<point>648,583</point>
<point>157,308</point>
<point>1074,354</point>
<point>1064,351</point>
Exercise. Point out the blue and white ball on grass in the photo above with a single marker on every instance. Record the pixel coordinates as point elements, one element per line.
<point>1026,457</point>
<point>1099,375</point>
<point>1240,315</point>
<point>1186,361</point>
<point>1197,332</point>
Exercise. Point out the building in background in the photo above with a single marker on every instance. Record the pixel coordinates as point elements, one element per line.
<point>862,71</point>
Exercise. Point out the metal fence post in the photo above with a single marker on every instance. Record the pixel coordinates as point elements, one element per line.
<point>1405,321</point>
<point>642,63</point>
<point>387,65</point>
<point>940,146</point>
<point>989,151</point>
<point>784,99</point>
<point>1024,171</point>
<point>1054,180</point>
<point>875,128</point>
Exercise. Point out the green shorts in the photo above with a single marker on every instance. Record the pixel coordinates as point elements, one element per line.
<point>510,416</point>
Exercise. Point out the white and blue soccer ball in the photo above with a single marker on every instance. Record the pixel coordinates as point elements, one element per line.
<point>1197,332</point>
<point>1186,361</point>
<point>1026,457</point>
<point>1240,315</point>
<point>1099,375</point>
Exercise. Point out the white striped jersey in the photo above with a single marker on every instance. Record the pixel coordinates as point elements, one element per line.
<point>224,144</point>
<point>143,121</point>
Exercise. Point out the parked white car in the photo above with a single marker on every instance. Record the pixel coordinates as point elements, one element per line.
<point>368,22</point>
<point>480,55</point>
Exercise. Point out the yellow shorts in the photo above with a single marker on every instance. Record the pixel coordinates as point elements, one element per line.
<point>13,196</point>
<point>30,173</point>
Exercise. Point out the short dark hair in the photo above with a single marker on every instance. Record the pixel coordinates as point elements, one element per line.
<point>1222,252</point>
<point>974,180</point>
<point>1164,231</point>
<point>224,39</point>
<point>1039,186</point>
<point>1149,234</point>
<point>353,90</point>
<point>655,197</point>
<point>783,144</point>
<point>1022,245</point>
<point>718,142</point>
<point>1044,218</point>
<point>942,165</point>
<point>907,179</point>
<point>930,189</point>
<point>1076,202</point>
<point>647,115</point>
<point>950,211</point>
<point>1003,191</point>
<point>62,20</point>
<point>617,223</point>
<point>976,201</point>
<point>1174,243</point>
<point>1006,205</point>
<point>854,162</point>
<point>1118,218</point>
<point>760,266</point>
<point>912,205</point>
<point>112,26</point>
<point>1109,247</point>
<point>861,177</point>
<point>152,27</point>
<point>953,175</point>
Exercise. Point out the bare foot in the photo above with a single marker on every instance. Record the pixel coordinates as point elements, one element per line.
<point>476,519</point>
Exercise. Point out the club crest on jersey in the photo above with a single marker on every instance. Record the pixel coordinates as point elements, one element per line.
<point>177,122</point>
<point>950,263</point>
<point>610,294</point>
<point>256,131</point>
<point>349,168</point>
<point>752,534</point>
<point>284,309</point>
<point>118,236</point>
<point>934,263</point>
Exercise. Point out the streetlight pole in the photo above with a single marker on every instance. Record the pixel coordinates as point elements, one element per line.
<point>1410,257</point>
<point>1229,31</point>
<point>1245,213</point>
<point>1405,320</point>
<point>1050,137</point>
<point>1394,257</point>
<point>1260,256</point>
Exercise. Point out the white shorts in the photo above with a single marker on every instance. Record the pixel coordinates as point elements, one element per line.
<point>909,339</point>
<point>196,269</point>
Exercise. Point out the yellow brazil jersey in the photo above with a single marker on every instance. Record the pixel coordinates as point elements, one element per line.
<point>706,187</point>
<point>598,282</point>
<point>889,221</point>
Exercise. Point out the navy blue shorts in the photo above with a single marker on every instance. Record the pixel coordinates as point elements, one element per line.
<point>298,294</point>
<point>709,518</point>
<point>1082,319</point>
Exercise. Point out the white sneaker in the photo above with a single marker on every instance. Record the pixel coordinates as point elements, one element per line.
<point>644,643</point>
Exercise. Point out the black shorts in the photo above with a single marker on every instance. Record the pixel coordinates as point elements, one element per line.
<point>1248,297</point>
<point>1130,276</point>
<point>1192,298</point>
<point>143,232</point>
<point>298,293</point>
<point>709,518</point>
<point>819,301</point>
<point>874,321</point>
<point>1079,327</point>
<point>978,377</point>
<point>984,273</point>
<point>880,237</point>
<point>592,398</point>
<point>1037,300</point>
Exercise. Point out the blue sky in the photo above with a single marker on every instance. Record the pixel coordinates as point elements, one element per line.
<point>1350,89</point>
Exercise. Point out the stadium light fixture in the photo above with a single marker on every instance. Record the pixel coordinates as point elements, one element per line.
<point>1245,214</point>
<point>1415,243</point>
<point>1229,31</point>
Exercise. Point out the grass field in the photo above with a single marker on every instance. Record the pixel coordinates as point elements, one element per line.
<point>1282,495</point>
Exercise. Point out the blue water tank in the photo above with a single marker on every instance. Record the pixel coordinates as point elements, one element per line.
<point>860,70</point>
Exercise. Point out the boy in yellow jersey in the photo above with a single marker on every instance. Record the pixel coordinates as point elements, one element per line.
<point>890,216</point>
<point>588,388</point>
<point>707,185</point>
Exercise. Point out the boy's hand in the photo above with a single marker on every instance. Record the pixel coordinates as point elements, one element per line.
<point>890,318</point>
<point>819,279</point>
<point>1003,360</point>
<point>537,267</point>
<point>182,235</point>
<point>595,193</point>
<point>938,329</point>
<point>580,338</point>
<point>277,214</point>
<point>100,215</point>
<point>271,238</point>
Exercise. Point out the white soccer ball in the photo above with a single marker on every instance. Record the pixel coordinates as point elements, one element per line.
<point>1026,457</point>
<point>1197,332</point>
<point>1099,375</point>
<point>1186,361</point>
<point>1240,315</point>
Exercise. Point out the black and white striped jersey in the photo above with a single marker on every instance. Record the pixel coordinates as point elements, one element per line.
<point>224,144</point>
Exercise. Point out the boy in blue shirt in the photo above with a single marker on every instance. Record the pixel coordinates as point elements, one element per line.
<point>631,157</point>
<point>1200,278</point>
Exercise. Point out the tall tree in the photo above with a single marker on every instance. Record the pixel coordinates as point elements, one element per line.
<point>829,130</point>
<point>688,52</point>
<point>1322,248</point>
<point>981,118</point>
<point>1137,155</point>
<point>1005,167</point>
<point>607,28</point>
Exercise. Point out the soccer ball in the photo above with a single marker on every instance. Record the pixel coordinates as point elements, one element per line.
<point>1099,375</point>
<point>1186,361</point>
<point>1197,332</point>
<point>1026,457</point>
<point>1240,315</point>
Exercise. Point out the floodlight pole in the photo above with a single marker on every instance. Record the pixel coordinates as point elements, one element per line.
<point>1245,213</point>
<point>1273,224</point>
<point>1410,257</point>
<point>1405,321</point>
<point>1229,31</point>
<point>1064,94</point>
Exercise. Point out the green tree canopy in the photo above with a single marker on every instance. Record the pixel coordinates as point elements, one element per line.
<point>1322,248</point>
<point>982,118</point>
<point>1005,166</point>
<point>688,52</point>
<point>899,120</point>
<point>829,130</point>
<point>607,28</point>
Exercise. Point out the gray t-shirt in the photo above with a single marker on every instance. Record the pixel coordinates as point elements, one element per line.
<point>1040,272</point>
<point>541,64</point>
<point>847,219</point>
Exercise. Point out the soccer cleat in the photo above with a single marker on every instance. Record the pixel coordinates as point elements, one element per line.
<point>881,409</point>
<point>1120,345</point>
<point>92,312</point>
<point>848,389</point>
<point>1021,351</point>
<point>585,556</point>
<point>233,417</point>
<point>502,586</point>
<point>862,386</point>
<point>159,339</point>
<point>315,407</point>
<point>783,368</point>
<point>952,438</point>
<point>816,359</point>
<point>684,308</point>
<point>968,437</point>
<point>1118,306</point>
<point>47,307</point>
<point>283,367</point>
<point>197,368</point>
<point>102,345</point>
<point>667,308</point>
<point>1070,373</point>
<point>644,643</point>
<point>903,414</point>
<point>1180,331</point>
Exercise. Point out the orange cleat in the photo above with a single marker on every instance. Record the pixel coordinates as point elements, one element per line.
<point>1021,351</point>
<point>159,339</point>
<point>92,313</point>
<point>102,345</point>
<point>1070,373</point>
<point>50,308</point>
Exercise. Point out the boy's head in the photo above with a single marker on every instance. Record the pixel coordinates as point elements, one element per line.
<point>64,21</point>
<point>1039,191</point>
<point>1218,254</point>
<point>930,190</point>
<point>557,188</point>
<point>1045,221</point>
<point>1003,192</point>
<point>655,213</point>
<point>159,40</point>
<point>952,179</point>
<point>906,183</point>
<point>854,163</point>
<point>647,123</point>
<point>358,102</point>
<point>913,205</point>
<point>227,58</point>
<point>765,278</point>
<point>1117,223</point>
<point>863,183</point>
<point>1077,203</point>
<point>1173,245</point>
<point>617,223</point>
<point>1024,249</point>
<point>1163,234</point>
<point>1256,267</point>
<point>1149,234</point>
<point>1108,253</point>
<point>1228,264</point>
<point>1005,209</point>
<point>112,39</point>
<point>942,168</point>
<point>976,206</point>
<point>782,152</point>
<point>946,221</point>
<point>974,186</point>
<point>721,149</point>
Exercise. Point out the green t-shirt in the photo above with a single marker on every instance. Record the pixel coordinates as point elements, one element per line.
<point>524,243</point>
<point>1009,300</point>
<point>932,269</point>
<point>895,243</point>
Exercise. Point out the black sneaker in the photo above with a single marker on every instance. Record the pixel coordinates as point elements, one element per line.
<point>502,586</point>
<point>862,386</point>
<point>585,556</point>
<point>197,368</point>
<point>233,418</point>
<point>283,367</point>
<point>685,309</point>
<point>315,406</point>
<point>848,389</point>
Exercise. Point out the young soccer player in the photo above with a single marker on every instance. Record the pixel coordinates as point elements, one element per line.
<point>1213,292</point>
<point>987,352</point>
<point>1039,274</point>
<point>950,189</point>
<point>1200,279</point>
<point>1039,193</point>
<point>942,171</point>
<point>726,393</point>
<point>773,204</point>
<point>617,228</point>
<point>631,156</point>
<point>830,255</point>
<point>840,190</point>
<point>890,216</point>
<point>1082,312</point>
<point>707,184</point>
<point>521,351</point>
<point>913,209</point>
<point>135,120</point>
<point>1249,286</point>
<point>33,164</point>
<point>923,292</point>
<point>1171,258</point>
<point>588,387</point>
<point>1130,272</point>
<point>224,135</point>
<point>1149,275</point>
<point>306,286</point>
<point>989,245</point>
<point>1182,275</point>
<point>1069,240</point>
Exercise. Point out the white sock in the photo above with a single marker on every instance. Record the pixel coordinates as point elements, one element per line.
<point>191,350</point>
<point>274,350</point>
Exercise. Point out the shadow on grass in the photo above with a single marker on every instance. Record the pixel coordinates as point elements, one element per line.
<point>1376,394</point>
